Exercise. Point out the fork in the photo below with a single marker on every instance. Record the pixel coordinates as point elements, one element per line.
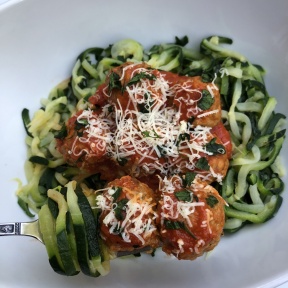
<point>31,229</point>
<point>21,228</point>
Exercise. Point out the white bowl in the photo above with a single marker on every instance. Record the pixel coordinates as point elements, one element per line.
<point>39,42</point>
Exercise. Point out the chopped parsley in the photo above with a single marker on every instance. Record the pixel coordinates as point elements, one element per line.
<point>114,81</point>
<point>146,106</point>
<point>183,137</point>
<point>215,148</point>
<point>176,225</point>
<point>120,209</point>
<point>206,101</point>
<point>117,193</point>
<point>188,179</point>
<point>211,201</point>
<point>139,76</point>
<point>184,195</point>
<point>191,120</point>
<point>111,109</point>
<point>150,134</point>
<point>80,124</point>
<point>202,164</point>
<point>162,150</point>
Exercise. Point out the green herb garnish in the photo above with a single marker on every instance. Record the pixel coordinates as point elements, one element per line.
<point>184,195</point>
<point>211,201</point>
<point>145,107</point>
<point>117,193</point>
<point>162,150</point>
<point>114,82</point>
<point>120,209</point>
<point>150,134</point>
<point>82,123</point>
<point>188,179</point>
<point>215,148</point>
<point>183,137</point>
<point>202,164</point>
<point>191,120</point>
<point>176,225</point>
<point>206,101</point>
<point>139,76</point>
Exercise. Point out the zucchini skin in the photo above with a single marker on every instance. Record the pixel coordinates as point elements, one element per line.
<point>266,214</point>
<point>97,258</point>
<point>86,235</point>
<point>71,235</point>
<point>47,228</point>
<point>69,261</point>
<point>79,229</point>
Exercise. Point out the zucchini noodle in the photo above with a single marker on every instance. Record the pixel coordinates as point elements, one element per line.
<point>252,186</point>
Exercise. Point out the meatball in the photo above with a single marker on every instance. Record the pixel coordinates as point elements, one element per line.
<point>140,158</point>
<point>127,220</point>
<point>150,107</point>
<point>86,144</point>
<point>197,101</point>
<point>148,123</point>
<point>222,133</point>
<point>100,98</point>
<point>135,87</point>
<point>191,217</point>
<point>202,152</point>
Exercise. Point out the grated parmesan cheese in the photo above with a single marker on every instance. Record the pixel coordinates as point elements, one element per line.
<point>156,140</point>
<point>138,216</point>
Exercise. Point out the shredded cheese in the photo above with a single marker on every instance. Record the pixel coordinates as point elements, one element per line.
<point>97,133</point>
<point>156,139</point>
<point>209,216</point>
<point>199,243</point>
<point>139,216</point>
<point>171,207</point>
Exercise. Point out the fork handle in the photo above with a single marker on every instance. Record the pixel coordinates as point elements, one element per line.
<point>21,228</point>
<point>10,229</point>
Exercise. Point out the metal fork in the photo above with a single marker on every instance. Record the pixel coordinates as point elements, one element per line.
<point>32,229</point>
<point>21,228</point>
